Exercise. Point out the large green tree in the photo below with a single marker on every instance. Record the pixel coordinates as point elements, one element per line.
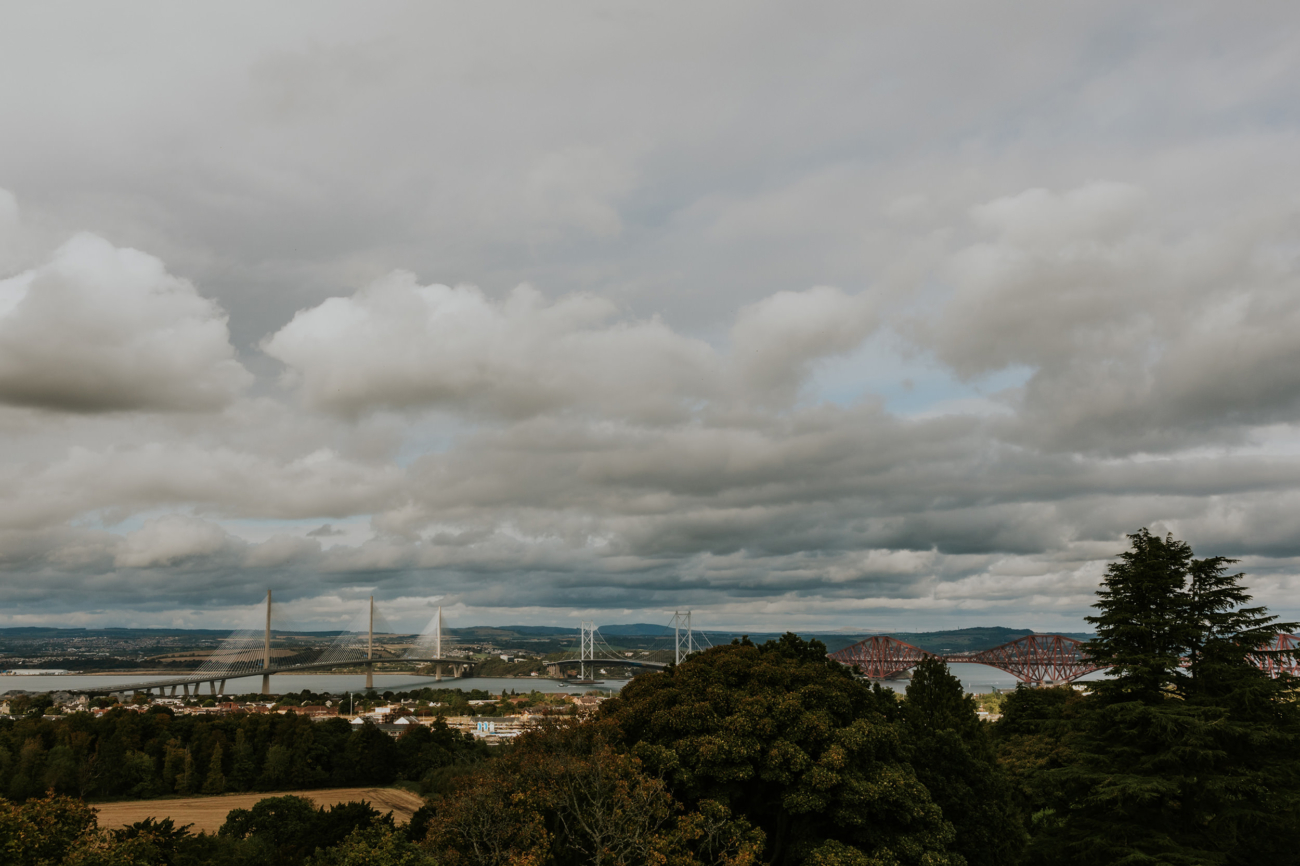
<point>792,742</point>
<point>952,752</point>
<point>562,795</point>
<point>1188,753</point>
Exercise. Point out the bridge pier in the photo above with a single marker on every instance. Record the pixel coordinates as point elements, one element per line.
<point>437,673</point>
<point>212,688</point>
<point>222,690</point>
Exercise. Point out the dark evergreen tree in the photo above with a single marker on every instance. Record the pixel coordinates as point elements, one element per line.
<point>215,782</point>
<point>1145,625</point>
<point>1190,753</point>
<point>244,769</point>
<point>952,754</point>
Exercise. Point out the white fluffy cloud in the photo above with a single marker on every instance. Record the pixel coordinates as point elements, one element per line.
<point>775,341</point>
<point>99,328</point>
<point>172,540</point>
<point>398,345</point>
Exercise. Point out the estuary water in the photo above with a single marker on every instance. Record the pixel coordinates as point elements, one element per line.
<point>338,684</point>
<point>976,679</point>
<point>982,679</point>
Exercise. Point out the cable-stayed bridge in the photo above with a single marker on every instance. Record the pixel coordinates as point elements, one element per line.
<point>249,653</point>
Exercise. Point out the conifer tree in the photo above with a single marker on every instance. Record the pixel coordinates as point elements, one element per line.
<point>215,783</point>
<point>244,770</point>
<point>1144,626</point>
<point>188,781</point>
<point>953,757</point>
<point>1189,753</point>
<point>173,765</point>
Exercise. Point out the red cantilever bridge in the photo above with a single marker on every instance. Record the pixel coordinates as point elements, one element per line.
<point>1036,659</point>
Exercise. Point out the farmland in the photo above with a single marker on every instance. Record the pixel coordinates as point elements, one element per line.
<point>209,813</point>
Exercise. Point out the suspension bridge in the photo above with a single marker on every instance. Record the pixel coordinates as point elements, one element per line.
<point>595,651</point>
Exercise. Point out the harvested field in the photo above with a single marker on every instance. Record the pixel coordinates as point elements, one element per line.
<point>209,813</point>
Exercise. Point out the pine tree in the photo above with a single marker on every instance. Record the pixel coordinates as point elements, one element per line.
<point>215,783</point>
<point>1189,753</point>
<point>936,700</point>
<point>173,765</point>
<point>1144,628</point>
<point>244,769</point>
<point>188,781</point>
<point>953,757</point>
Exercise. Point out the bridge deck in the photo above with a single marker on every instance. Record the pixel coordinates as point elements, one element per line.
<point>257,672</point>
<point>195,679</point>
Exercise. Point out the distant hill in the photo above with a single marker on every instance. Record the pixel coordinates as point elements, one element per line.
<point>538,630</point>
<point>956,640</point>
<point>636,628</point>
<point>953,641</point>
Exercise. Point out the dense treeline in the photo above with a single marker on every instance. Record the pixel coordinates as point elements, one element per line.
<point>125,754</point>
<point>1188,755</point>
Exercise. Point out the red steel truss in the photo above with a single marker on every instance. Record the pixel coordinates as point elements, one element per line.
<point>1286,663</point>
<point>1036,659</point>
<point>879,657</point>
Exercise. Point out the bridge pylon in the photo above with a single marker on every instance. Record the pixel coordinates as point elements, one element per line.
<point>370,648</point>
<point>683,639</point>
<point>586,663</point>
<point>266,649</point>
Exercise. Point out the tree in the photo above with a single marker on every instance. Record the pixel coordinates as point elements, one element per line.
<point>1144,627</point>
<point>1172,764</point>
<point>42,832</point>
<point>785,738</point>
<point>188,782</point>
<point>936,701</point>
<point>244,768</point>
<point>372,846</point>
<point>371,756</point>
<point>288,824</point>
<point>564,795</point>
<point>173,765</point>
<point>215,783</point>
<point>953,756</point>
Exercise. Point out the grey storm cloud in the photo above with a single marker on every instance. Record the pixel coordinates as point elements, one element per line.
<point>97,328</point>
<point>800,317</point>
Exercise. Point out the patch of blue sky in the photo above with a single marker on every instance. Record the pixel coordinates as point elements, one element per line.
<point>908,382</point>
<point>434,433</point>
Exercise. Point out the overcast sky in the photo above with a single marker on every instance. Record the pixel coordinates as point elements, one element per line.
<point>863,315</point>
